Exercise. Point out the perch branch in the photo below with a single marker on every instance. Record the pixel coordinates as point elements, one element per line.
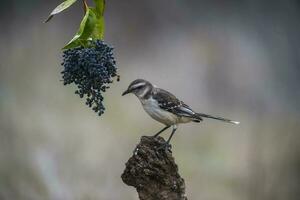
<point>154,173</point>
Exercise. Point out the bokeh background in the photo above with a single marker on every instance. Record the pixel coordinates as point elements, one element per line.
<point>238,59</point>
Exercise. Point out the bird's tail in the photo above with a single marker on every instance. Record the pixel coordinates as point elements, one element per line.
<point>217,118</point>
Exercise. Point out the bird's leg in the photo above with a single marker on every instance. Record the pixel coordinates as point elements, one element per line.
<point>154,136</point>
<point>162,130</point>
<point>173,131</point>
<point>167,145</point>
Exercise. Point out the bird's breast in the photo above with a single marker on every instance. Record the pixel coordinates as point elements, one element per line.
<point>152,108</point>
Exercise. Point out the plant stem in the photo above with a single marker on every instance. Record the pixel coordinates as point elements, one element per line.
<point>85,6</point>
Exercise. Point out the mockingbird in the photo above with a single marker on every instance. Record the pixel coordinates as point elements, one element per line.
<point>164,107</point>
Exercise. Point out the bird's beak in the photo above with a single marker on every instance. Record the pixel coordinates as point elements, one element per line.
<point>126,92</point>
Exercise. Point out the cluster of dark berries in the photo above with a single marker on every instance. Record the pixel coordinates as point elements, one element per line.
<point>92,70</point>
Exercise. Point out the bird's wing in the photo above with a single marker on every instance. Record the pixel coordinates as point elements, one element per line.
<point>170,103</point>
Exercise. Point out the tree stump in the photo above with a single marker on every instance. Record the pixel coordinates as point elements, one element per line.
<point>153,172</point>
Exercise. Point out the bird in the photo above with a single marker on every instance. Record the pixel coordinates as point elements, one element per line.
<point>166,108</point>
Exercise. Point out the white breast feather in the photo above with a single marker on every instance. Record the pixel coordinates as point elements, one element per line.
<point>151,107</point>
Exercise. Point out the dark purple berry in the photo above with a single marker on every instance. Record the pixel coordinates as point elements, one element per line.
<point>91,70</point>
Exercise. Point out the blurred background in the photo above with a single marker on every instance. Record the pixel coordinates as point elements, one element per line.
<point>237,59</point>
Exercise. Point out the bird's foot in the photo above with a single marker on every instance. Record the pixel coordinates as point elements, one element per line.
<point>165,146</point>
<point>150,136</point>
<point>135,151</point>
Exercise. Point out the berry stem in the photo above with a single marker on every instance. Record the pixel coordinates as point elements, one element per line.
<point>85,6</point>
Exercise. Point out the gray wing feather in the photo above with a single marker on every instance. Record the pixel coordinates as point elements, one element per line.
<point>169,102</point>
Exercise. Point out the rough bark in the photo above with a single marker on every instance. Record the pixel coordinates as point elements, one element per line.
<point>153,172</point>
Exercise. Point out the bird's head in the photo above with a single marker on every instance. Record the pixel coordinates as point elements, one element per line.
<point>141,88</point>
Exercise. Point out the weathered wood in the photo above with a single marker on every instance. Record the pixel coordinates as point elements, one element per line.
<point>153,172</point>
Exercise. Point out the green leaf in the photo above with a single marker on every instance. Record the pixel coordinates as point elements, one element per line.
<point>63,6</point>
<point>98,32</point>
<point>100,25</point>
<point>85,31</point>
<point>100,6</point>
